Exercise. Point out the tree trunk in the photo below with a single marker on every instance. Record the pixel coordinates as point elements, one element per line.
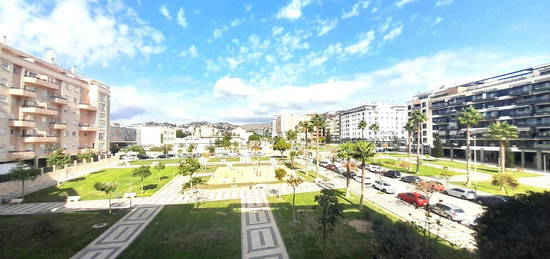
<point>317,157</point>
<point>159,176</point>
<point>293,204</point>
<point>109,204</point>
<point>362,184</point>
<point>502,157</point>
<point>410,151</point>
<point>141,185</point>
<point>22,189</point>
<point>307,157</point>
<point>347,179</point>
<point>468,156</point>
<point>191,181</point>
<point>418,144</point>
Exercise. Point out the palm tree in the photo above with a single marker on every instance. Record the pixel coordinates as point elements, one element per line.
<point>305,126</point>
<point>318,121</point>
<point>363,151</point>
<point>418,118</point>
<point>345,151</point>
<point>502,131</point>
<point>362,125</point>
<point>469,118</point>
<point>410,127</point>
<point>375,127</point>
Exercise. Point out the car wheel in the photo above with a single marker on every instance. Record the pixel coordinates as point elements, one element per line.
<point>445,192</point>
<point>384,190</point>
<point>463,197</point>
<point>449,217</point>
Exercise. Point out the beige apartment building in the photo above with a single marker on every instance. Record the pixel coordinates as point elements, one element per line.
<point>44,107</point>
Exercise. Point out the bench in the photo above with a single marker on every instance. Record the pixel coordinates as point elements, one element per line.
<point>16,201</point>
<point>73,198</point>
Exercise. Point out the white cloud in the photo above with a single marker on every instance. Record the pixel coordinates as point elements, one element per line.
<point>191,52</point>
<point>402,3</point>
<point>80,32</point>
<point>443,2</point>
<point>385,26</point>
<point>248,7</point>
<point>361,47</point>
<point>293,10</point>
<point>228,87</point>
<point>165,12</point>
<point>236,22</point>
<point>394,33</point>
<point>277,30</point>
<point>182,21</point>
<point>355,9</point>
<point>211,66</point>
<point>219,31</point>
<point>437,21</point>
<point>325,26</point>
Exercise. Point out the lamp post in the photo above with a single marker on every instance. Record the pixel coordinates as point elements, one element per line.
<point>475,154</point>
<point>544,158</point>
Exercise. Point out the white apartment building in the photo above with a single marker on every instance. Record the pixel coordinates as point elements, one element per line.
<point>154,136</point>
<point>240,133</point>
<point>390,118</point>
<point>204,131</point>
<point>285,122</point>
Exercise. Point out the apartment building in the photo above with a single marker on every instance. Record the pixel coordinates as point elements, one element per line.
<point>121,136</point>
<point>521,98</point>
<point>44,107</point>
<point>154,135</point>
<point>285,122</point>
<point>332,129</point>
<point>391,120</point>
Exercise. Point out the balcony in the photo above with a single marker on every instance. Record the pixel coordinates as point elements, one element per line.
<point>39,110</point>
<point>87,106</point>
<point>58,125</point>
<point>543,87</point>
<point>21,154</point>
<point>87,127</point>
<point>23,92</point>
<point>20,123</point>
<point>39,82</point>
<point>59,100</point>
<point>39,139</point>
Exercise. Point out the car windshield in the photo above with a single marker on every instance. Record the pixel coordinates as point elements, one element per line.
<point>386,184</point>
<point>471,192</point>
<point>422,197</point>
<point>459,211</point>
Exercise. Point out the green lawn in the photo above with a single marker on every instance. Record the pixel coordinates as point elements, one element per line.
<point>486,186</point>
<point>148,162</point>
<point>423,171</point>
<point>302,240</point>
<point>182,231</point>
<point>261,158</point>
<point>56,235</point>
<point>84,186</point>
<point>227,159</point>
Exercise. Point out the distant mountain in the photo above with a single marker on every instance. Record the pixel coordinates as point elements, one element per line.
<point>255,126</point>
<point>217,125</point>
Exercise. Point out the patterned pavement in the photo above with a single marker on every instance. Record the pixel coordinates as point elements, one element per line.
<point>260,235</point>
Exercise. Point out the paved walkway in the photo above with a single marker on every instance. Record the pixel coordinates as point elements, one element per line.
<point>119,236</point>
<point>259,232</point>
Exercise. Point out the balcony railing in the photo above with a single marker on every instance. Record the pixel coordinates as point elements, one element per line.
<point>39,82</point>
<point>58,125</point>
<point>21,154</point>
<point>87,106</point>
<point>26,92</point>
<point>59,100</point>
<point>28,108</point>
<point>22,123</point>
<point>87,127</point>
<point>31,138</point>
<point>542,87</point>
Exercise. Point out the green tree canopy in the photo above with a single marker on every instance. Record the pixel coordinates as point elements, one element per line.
<point>108,188</point>
<point>331,211</point>
<point>22,172</point>
<point>254,137</point>
<point>134,148</point>
<point>142,172</point>
<point>281,145</point>
<point>502,132</point>
<point>188,167</point>
<point>363,151</point>
<point>58,158</point>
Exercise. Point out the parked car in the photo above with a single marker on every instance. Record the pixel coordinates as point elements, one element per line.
<point>462,193</point>
<point>375,169</point>
<point>323,163</point>
<point>170,155</point>
<point>142,156</point>
<point>330,167</point>
<point>161,156</point>
<point>414,198</point>
<point>432,185</point>
<point>392,174</point>
<point>368,180</point>
<point>383,186</point>
<point>411,179</point>
<point>452,212</point>
<point>491,200</point>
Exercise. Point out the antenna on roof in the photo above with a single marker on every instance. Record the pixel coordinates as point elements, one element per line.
<point>5,39</point>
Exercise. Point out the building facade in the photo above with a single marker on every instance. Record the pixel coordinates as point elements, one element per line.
<point>44,107</point>
<point>332,129</point>
<point>121,136</point>
<point>154,136</point>
<point>391,120</point>
<point>285,122</point>
<point>521,98</point>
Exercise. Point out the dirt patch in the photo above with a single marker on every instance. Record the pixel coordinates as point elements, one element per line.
<point>361,226</point>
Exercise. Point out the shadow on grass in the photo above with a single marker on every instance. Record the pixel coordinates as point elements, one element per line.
<point>164,177</point>
<point>150,187</point>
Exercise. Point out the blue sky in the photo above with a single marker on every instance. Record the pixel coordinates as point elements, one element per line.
<point>244,61</point>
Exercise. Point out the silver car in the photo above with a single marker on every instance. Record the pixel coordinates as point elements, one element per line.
<point>383,186</point>
<point>449,211</point>
<point>462,193</point>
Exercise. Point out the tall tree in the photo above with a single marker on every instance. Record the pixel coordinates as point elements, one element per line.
<point>438,148</point>
<point>306,127</point>
<point>188,167</point>
<point>58,158</point>
<point>23,173</point>
<point>291,136</point>
<point>280,174</point>
<point>281,145</point>
<point>362,125</point>
<point>363,151</point>
<point>469,118</point>
<point>294,182</point>
<point>410,127</point>
<point>292,154</point>
<point>375,128</point>
<point>142,172</point>
<point>418,118</point>
<point>159,167</point>
<point>106,187</point>
<point>505,182</point>
<point>319,122</point>
<point>502,131</point>
<point>345,151</point>
<point>331,210</point>
<point>134,148</point>
<point>191,147</point>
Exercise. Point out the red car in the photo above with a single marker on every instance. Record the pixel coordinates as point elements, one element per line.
<point>432,185</point>
<point>414,198</point>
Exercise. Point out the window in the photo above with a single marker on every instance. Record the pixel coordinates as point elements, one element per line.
<point>2,148</point>
<point>74,134</point>
<point>4,82</point>
<point>5,66</point>
<point>3,115</point>
<point>3,99</point>
<point>2,131</point>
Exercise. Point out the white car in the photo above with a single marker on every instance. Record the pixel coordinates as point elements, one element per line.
<point>368,180</point>
<point>383,186</point>
<point>462,193</point>
<point>449,211</point>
